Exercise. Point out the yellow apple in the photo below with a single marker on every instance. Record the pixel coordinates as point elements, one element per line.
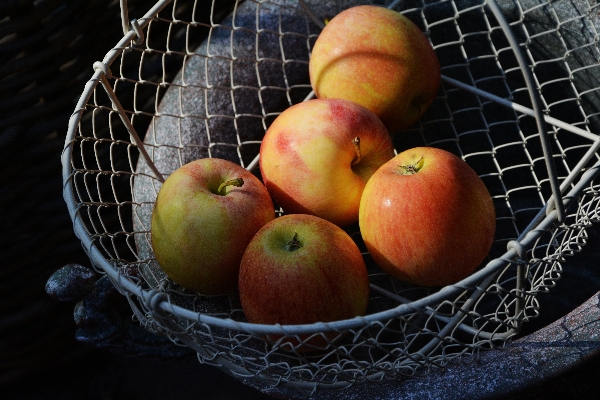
<point>380,59</point>
<point>312,162</point>
<point>205,215</point>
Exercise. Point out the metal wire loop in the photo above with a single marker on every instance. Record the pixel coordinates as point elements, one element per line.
<point>518,247</point>
<point>153,299</point>
<point>135,25</point>
<point>100,66</point>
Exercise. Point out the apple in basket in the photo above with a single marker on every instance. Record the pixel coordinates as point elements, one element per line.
<point>380,59</point>
<point>302,269</point>
<point>427,218</point>
<point>204,216</point>
<point>317,155</point>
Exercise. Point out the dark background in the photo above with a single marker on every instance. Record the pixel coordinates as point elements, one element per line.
<point>47,49</point>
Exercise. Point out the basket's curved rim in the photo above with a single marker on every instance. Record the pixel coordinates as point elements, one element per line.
<point>155,300</point>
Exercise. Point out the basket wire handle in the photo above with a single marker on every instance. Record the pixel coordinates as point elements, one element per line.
<point>124,16</point>
<point>106,74</point>
<point>551,168</point>
<point>537,108</point>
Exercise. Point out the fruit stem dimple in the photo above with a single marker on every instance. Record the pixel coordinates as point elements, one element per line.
<point>293,244</point>
<point>412,169</point>
<point>356,143</point>
<point>238,182</point>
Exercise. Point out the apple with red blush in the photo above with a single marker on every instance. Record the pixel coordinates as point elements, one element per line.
<point>205,214</point>
<point>317,156</point>
<point>302,269</point>
<point>427,218</point>
<point>380,59</point>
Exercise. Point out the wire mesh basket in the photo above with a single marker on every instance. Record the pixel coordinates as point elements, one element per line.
<point>519,102</point>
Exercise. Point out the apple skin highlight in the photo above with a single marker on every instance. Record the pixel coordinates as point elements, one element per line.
<point>199,236</point>
<point>429,228</point>
<point>307,158</point>
<point>380,59</point>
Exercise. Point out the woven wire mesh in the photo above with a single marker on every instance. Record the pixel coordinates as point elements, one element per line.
<point>207,79</point>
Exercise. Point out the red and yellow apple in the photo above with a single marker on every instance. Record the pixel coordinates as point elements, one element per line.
<point>204,216</point>
<point>302,269</point>
<point>317,155</point>
<point>427,218</point>
<point>380,59</point>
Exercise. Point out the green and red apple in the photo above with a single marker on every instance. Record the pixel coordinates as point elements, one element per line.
<point>317,156</point>
<point>380,59</point>
<point>427,218</point>
<point>302,269</point>
<point>204,216</point>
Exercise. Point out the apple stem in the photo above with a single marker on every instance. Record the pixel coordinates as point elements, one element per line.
<point>238,182</point>
<point>356,143</point>
<point>412,169</point>
<point>293,244</point>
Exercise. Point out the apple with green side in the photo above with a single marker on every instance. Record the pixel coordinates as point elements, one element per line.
<point>427,218</point>
<point>204,216</point>
<point>302,269</point>
<point>380,59</point>
<point>317,155</point>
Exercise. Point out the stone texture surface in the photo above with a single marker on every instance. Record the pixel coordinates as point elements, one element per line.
<point>250,68</point>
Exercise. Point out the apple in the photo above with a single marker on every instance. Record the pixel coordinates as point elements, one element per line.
<point>302,269</point>
<point>380,59</point>
<point>427,218</point>
<point>317,155</point>
<point>205,214</point>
